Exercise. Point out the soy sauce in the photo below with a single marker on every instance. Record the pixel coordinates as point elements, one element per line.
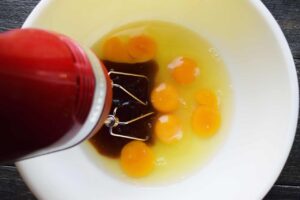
<point>127,107</point>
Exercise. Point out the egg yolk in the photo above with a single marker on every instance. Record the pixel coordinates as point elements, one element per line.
<point>115,50</point>
<point>141,48</point>
<point>207,98</point>
<point>206,121</point>
<point>137,159</point>
<point>164,98</point>
<point>167,129</point>
<point>184,70</point>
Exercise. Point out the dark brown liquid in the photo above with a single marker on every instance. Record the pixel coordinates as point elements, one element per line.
<point>128,108</point>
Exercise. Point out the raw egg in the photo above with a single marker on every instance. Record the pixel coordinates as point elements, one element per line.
<point>164,98</point>
<point>115,50</point>
<point>206,121</point>
<point>137,159</point>
<point>167,129</point>
<point>208,98</point>
<point>184,70</point>
<point>141,48</point>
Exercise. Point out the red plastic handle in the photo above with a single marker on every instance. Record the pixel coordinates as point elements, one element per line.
<point>46,90</point>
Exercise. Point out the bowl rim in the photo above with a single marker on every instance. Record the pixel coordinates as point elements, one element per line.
<point>293,80</point>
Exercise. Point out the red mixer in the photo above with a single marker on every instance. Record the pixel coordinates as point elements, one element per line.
<point>53,94</point>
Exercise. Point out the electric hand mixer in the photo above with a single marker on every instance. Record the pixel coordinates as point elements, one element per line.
<point>53,94</point>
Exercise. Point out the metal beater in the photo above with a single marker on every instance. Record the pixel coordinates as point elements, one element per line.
<point>113,121</point>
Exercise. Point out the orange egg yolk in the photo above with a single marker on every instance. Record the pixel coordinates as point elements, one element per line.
<point>115,50</point>
<point>167,129</point>
<point>137,159</point>
<point>141,48</point>
<point>164,98</point>
<point>207,98</point>
<point>206,121</point>
<point>184,70</point>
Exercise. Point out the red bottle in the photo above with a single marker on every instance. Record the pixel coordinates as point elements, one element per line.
<point>53,95</point>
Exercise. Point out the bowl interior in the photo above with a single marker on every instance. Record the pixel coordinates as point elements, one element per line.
<point>265,99</point>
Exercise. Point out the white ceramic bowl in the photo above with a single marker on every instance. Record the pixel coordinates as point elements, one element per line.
<point>265,100</point>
